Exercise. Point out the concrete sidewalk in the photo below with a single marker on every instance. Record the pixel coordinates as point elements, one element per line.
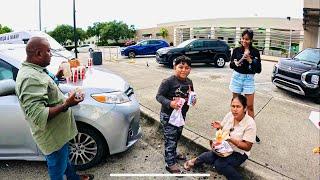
<point>269,58</point>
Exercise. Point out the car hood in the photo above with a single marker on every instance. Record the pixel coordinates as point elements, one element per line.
<point>169,49</point>
<point>296,64</point>
<point>98,82</point>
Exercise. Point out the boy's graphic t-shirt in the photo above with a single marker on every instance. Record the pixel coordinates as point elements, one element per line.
<point>173,87</point>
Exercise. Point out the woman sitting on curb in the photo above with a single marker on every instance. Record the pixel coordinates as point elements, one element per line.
<point>242,130</point>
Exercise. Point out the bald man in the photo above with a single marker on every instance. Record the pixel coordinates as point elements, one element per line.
<point>47,111</point>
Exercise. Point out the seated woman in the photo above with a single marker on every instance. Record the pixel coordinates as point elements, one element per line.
<point>242,130</point>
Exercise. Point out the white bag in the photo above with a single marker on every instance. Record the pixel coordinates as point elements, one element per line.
<point>176,118</point>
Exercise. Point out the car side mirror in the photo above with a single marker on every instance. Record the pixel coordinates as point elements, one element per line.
<point>7,87</point>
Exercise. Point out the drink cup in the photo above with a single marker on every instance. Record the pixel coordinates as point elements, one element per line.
<point>78,92</point>
<point>66,70</point>
<point>89,62</point>
<point>74,74</point>
<point>82,72</point>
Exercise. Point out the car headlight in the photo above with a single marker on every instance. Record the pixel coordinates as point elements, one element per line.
<point>111,98</point>
<point>315,79</point>
<point>310,80</point>
<point>163,51</point>
<point>275,68</point>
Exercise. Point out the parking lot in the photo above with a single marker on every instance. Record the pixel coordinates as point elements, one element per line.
<point>282,117</point>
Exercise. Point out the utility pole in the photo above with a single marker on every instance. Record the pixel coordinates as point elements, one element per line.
<point>40,15</point>
<point>75,30</point>
<point>289,54</point>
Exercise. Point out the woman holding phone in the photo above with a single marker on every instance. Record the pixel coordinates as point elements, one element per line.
<point>245,62</point>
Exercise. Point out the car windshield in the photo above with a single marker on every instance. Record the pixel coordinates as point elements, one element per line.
<point>183,44</point>
<point>143,43</point>
<point>309,55</point>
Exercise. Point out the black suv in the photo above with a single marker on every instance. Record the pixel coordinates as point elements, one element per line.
<point>299,74</point>
<point>198,50</point>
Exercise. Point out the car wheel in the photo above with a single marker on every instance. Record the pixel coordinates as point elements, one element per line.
<point>90,50</point>
<point>317,100</point>
<point>132,54</point>
<point>220,61</point>
<point>87,148</point>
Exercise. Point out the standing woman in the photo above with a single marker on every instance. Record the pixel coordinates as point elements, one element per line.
<point>245,62</point>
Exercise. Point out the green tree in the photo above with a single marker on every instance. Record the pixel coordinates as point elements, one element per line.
<point>95,30</point>
<point>63,33</point>
<point>4,29</point>
<point>81,34</point>
<point>115,30</point>
<point>164,33</point>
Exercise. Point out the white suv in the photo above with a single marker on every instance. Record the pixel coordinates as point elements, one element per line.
<point>86,48</point>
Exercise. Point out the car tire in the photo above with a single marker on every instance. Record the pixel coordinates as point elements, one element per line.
<point>220,61</point>
<point>90,50</point>
<point>317,100</point>
<point>131,54</point>
<point>87,140</point>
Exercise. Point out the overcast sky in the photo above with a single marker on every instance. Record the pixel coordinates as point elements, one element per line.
<point>23,14</point>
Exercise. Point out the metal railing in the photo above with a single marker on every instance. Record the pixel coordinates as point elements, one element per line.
<point>110,53</point>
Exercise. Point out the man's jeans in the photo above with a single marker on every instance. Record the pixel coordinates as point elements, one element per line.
<point>172,135</point>
<point>224,165</point>
<point>58,165</point>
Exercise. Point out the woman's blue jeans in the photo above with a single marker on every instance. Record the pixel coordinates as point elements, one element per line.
<point>224,165</point>
<point>59,165</point>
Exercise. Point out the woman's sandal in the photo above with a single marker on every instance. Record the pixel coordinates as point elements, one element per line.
<point>86,176</point>
<point>174,171</point>
<point>188,165</point>
<point>181,157</point>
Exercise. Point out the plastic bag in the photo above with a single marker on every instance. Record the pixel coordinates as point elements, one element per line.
<point>224,149</point>
<point>176,118</point>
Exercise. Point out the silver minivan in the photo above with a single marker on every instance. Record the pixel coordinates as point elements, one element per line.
<point>105,128</point>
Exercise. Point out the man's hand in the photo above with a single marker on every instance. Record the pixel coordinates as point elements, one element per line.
<point>72,100</point>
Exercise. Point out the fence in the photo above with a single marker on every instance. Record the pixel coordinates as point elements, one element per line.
<point>110,53</point>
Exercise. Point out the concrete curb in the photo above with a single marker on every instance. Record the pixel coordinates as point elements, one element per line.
<point>249,167</point>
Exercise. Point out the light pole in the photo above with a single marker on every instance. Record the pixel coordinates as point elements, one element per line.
<point>40,15</point>
<point>74,29</point>
<point>289,53</point>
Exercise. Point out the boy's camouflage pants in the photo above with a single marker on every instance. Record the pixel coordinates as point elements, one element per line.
<point>172,135</point>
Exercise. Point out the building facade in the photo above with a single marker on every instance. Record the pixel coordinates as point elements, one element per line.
<point>272,36</point>
<point>311,23</point>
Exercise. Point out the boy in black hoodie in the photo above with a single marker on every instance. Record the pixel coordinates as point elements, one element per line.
<point>177,85</point>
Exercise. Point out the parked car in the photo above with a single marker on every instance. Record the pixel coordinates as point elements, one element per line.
<point>198,50</point>
<point>85,48</point>
<point>129,43</point>
<point>299,74</point>
<point>145,47</point>
<point>107,120</point>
